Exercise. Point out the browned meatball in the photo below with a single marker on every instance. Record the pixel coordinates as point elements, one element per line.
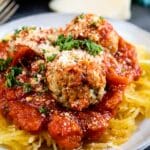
<point>96,28</point>
<point>76,79</point>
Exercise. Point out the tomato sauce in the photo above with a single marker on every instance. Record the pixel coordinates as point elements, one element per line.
<point>34,111</point>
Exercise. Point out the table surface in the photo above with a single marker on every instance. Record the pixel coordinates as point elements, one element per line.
<point>140,15</point>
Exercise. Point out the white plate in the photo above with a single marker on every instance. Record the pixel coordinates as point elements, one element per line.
<point>141,138</point>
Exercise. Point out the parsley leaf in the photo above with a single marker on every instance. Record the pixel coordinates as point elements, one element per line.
<point>41,68</point>
<point>91,47</point>
<point>51,58</point>
<point>11,80</point>
<point>43,110</point>
<point>101,17</point>
<point>4,63</point>
<point>24,28</point>
<point>10,77</point>
<point>27,88</point>
<point>44,51</point>
<point>81,16</point>
<point>68,43</point>
<point>16,32</point>
<point>35,77</point>
<point>16,71</point>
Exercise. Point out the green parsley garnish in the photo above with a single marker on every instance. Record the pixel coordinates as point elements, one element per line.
<point>11,77</point>
<point>101,17</point>
<point>27,88</point>
<point>68,43</point>
<point>17,31</point>
<point>91,47</point>
<point>4,63</point>
<point>51,58</point>
<point>16,71</point>
<point>44,51</point>
<point>35,77</point>
<point>10,80</point>
<point>81,16</point>
<point>41,68</point>
<point>24,28</point>
<point>43,110</point>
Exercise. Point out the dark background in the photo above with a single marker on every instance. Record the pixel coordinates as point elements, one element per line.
<point>140,14</point>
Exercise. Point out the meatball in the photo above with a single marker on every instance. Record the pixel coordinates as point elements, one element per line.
<point>77,79</point>
<point>96,28</point>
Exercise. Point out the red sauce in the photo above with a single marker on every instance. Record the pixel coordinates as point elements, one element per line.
<point>67,127</point>
<point>3,50</point>
<point>25,116</point>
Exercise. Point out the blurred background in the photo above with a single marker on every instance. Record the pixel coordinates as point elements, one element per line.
<point>134,11</point>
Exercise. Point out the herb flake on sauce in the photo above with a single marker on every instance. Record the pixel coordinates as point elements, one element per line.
<point>11,77</point>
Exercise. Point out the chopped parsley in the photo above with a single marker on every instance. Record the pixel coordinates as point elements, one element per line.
<point>16,71</point>
<point>91,47</point>
<point>41,68</point>
<point>43,110</point>
<point>81,16</point>
<point>68,43</point>
<point>101,17</point>
<point>27,88</point>
<point>12,81</point>
<point>4,63</point>
<point>11,77</point>
<point>44,51</point>
<point>51,58</point>
<point>24,28</point>
<point>35,77</point>
<point>17,31</point>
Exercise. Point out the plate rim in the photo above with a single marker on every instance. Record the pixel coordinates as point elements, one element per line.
<point>69,14</point>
